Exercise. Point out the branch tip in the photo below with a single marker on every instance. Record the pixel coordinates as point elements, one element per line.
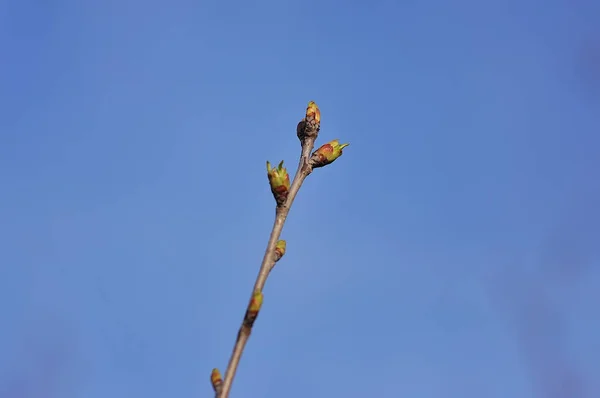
<point>311,124</point>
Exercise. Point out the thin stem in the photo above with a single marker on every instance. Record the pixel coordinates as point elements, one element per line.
<point>304,169</point>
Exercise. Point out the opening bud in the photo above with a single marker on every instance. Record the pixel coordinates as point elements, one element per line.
<point>279,179</point>
<point>327,153</point>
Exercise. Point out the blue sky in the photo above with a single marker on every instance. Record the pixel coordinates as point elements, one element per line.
<point>451,252</point>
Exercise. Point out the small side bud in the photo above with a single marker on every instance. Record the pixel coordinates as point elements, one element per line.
<point>280,250</point>
<point>311,124</point>
<point>253,308</point>
<point>327,154</point>
<point>216,380</point>
<point>279,179</point>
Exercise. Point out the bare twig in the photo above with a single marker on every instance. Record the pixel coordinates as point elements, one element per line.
<point>307,132</point>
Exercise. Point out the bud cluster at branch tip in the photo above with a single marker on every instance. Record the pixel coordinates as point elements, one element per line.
<point>280,250</point>
<point>279,179</point>
<point>327,154</point>
<point>311,124</point>
<point>216,380</point>
<point>253,308</point>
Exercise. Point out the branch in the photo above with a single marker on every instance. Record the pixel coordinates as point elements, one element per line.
<point>284,193</point>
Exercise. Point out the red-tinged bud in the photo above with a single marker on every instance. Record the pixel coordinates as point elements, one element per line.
<point>216,380</point>
<point>313,112</point>
<point>253,308</point>
<point>279,179</point>
<point>311,124</point>
<point>327,154</point>
<point>280,250</point>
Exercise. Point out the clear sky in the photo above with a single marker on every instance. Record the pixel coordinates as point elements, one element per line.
<point>452,251</point>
